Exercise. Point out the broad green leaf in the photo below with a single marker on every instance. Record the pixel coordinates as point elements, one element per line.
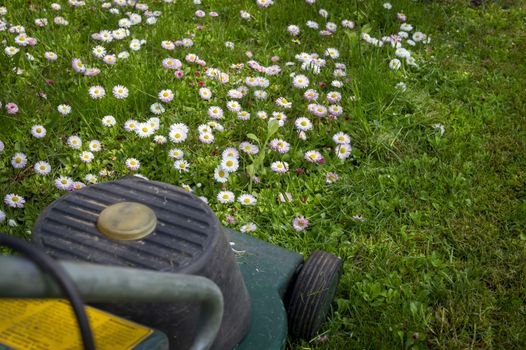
<point>252,137</point>
<point>272,128</point>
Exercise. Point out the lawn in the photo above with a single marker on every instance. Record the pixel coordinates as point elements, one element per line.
<point>392,135</point>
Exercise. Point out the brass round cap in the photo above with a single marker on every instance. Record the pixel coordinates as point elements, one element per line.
<point>127,221</point>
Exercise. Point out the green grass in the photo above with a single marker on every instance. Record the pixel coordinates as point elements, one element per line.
<point>438,260</point>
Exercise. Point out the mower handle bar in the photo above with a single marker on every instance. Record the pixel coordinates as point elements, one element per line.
<point>20,278</point>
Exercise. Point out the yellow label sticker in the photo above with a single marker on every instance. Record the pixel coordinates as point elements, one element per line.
<point>28,324</point>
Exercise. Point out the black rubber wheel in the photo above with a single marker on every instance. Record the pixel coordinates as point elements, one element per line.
<point>310,300</point>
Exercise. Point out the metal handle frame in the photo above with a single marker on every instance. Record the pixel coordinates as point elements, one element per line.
<point>19,278</point>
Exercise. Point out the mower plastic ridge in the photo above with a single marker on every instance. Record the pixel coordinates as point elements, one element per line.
<point>268,271</point>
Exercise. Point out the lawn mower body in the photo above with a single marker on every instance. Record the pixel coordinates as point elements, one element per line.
<point>265,291</point>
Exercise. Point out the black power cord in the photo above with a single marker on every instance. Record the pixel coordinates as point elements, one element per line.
<point>51,267</point>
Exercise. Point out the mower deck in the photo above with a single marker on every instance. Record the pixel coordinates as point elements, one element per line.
<point>267,271</point>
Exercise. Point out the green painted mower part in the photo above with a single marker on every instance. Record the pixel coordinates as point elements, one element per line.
<point>20,278</point>
<point>268,271</point>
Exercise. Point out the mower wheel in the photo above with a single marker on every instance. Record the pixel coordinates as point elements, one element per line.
<point>311,297</point>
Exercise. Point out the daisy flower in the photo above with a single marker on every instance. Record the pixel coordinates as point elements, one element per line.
<point>264,3</point>
<point>166,95</point>
<point>38,131</point>
<point>401,86</point>
<point>191,57</point>
<point>132,164</point>
<point>105,35</point>
<point>99,51</point>
<point>11,51</point>
<point>74,142</point>
<point>97,92</point>
<point>77,185</point>
<point>157,108</point>
<point>250,227</point>
<point>247,199</point>
<point>311,95</point>
<point>230,164</point>
<point>279,145</point>
<point>244,15</point>
<point>205,93</point>
<point>262,115</point>
<point>225,197</point>
<point>172,63</point>
<point>279,116</point>
<point>144,130</point>
<point>175,153</point>
<point>160,139</point>
<point>243,115</point>
<point>77,65</point>
<point>283,102</point>
<point>300,81</point>
<point>90,178</point>
<point>177,135</point>
<point>406,27</point>
<point>19,160</point>
<point>167,45</point>
<point>64,109</point>
<point>186,187</point>
<point>285,197</point>
<point>86,157</point>
<point>347,24</point>
<point>187,42</point>
<point>179,126</point>
<point>293,30</point>
<point>235,94</point>
<point>11,108</point>
<point>50,56</point>
<point>313,156</point>
<point>395,64</point>
<point>120,92</point>
<point>303,124</point>
<point>131,125</point>
<point>248,147</point>
<point>300,223</point>
<point>94,145</point>
<point>331,178</point>
<point>233,106</point>
<point>343,150</point>
<point>108,121</point>
<point>334,97</point>
<point>109,59</point>
<point>206,137</point>
<point>312,24</point>
<point>215,126</point>
<point>91,72</point>
<point>215,112</point>
<point>319,110</point>
<point>260,94</point>
<point>335,110</point>
<point>280,167</point>
<point>2,216</point>
<point>341,138</point>
<point>419,36</point>
<point>182,166</point>
<point>331,27</point>
<point>230,152</point>
<point>221,175</point>
<point>14,200</point>
<point>411,61</point>
<point>63,183</point>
